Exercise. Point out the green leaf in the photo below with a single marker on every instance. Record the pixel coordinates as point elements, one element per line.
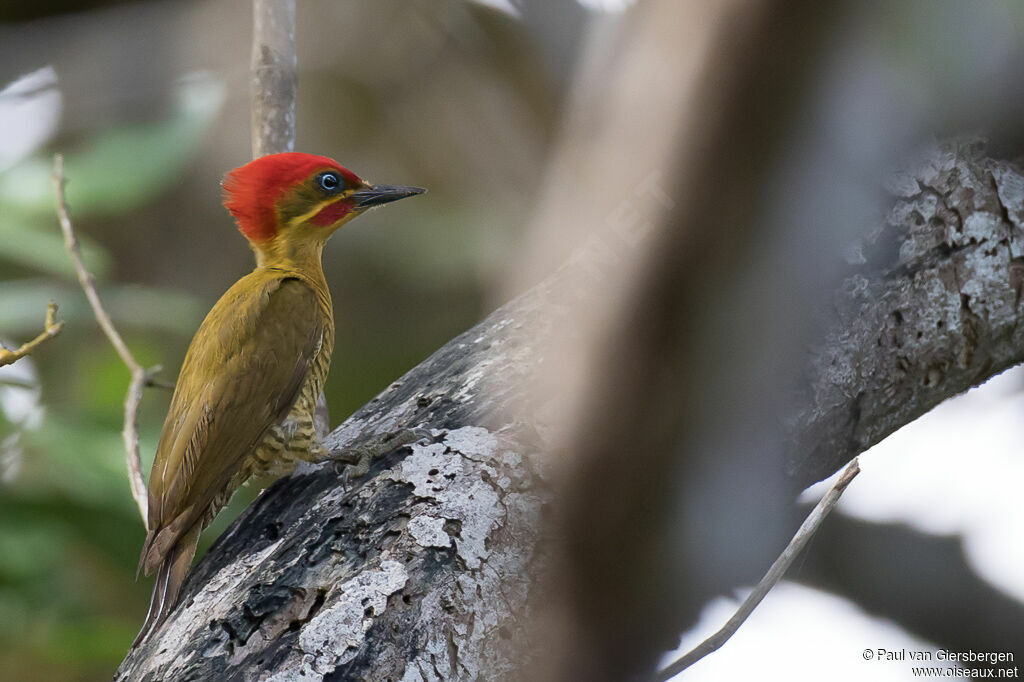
<point>129,306</point>
<point>39,244</point>
<point>123,168</point>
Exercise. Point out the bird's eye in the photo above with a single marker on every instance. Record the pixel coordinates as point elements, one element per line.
<point>329,182</point>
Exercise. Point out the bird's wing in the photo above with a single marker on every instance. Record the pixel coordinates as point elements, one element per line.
<point>241,375</point>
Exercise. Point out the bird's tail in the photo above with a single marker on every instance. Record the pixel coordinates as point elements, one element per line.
<point>169,578</point>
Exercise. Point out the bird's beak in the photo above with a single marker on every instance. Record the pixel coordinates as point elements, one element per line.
<point>375,195</point>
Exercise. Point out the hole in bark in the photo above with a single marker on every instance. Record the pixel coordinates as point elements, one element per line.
<point>897,316</point>
<point>317,603</point>
<point>940,324</point>
<point>406,599</point>
<point>433,472</point>
<point>296,624</point>
<point>228,630</point>
<point>368,612</point>
<point>272,531</point>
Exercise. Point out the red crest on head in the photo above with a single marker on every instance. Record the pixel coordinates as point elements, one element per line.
<point>252,191</point>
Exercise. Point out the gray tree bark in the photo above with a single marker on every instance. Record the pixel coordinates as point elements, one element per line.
<point>932,309</point>
<point>433,566</point>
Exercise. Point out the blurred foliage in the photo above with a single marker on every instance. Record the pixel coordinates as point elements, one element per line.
<point>63,586</point>
<point>461,98</point>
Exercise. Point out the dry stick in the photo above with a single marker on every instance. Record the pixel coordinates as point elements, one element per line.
<point>140,375</point>
<point>51,328</point>
<point>773,576</point>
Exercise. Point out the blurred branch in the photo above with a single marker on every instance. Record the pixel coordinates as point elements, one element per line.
<point>682,358</point>
<point>771,578</point>
<point>274,77</point>
<point>51,328</point>
<point>973,613</point>
<point>140,376</point>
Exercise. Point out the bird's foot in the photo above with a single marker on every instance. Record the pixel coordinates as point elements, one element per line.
<point>358,458</point>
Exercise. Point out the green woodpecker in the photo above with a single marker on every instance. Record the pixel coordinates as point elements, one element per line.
<point>244,401</point>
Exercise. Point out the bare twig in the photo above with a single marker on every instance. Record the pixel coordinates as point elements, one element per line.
<point>140,376</point>
<point>770,579</point>
<point>51,328</point>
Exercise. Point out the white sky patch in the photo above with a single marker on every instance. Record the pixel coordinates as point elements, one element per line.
<point>607,5</point>
<point>503,5</point>
<point>956,470</point>
<point>20,406</point>
<point>30,109</point>
<point>508,6</point>
<point>20,392</point>
<point>799,633</point>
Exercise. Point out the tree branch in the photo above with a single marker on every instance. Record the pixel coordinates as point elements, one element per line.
<point>50,329</point>
<point>932,307</point>
<point>140,376</point>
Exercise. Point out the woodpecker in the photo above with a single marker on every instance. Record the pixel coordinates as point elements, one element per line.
<point>244,401</point>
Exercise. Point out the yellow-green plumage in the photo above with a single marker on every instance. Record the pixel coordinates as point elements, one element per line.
<point>245,397</point>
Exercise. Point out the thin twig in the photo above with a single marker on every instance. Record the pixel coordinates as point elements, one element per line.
<point>140,375</point>
<point>51,328</point>
<point>770,579</point>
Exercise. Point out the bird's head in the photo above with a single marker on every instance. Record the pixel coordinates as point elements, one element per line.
<point>293,197</point>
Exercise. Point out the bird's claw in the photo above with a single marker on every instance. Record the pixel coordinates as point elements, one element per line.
<point>358,458</point>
